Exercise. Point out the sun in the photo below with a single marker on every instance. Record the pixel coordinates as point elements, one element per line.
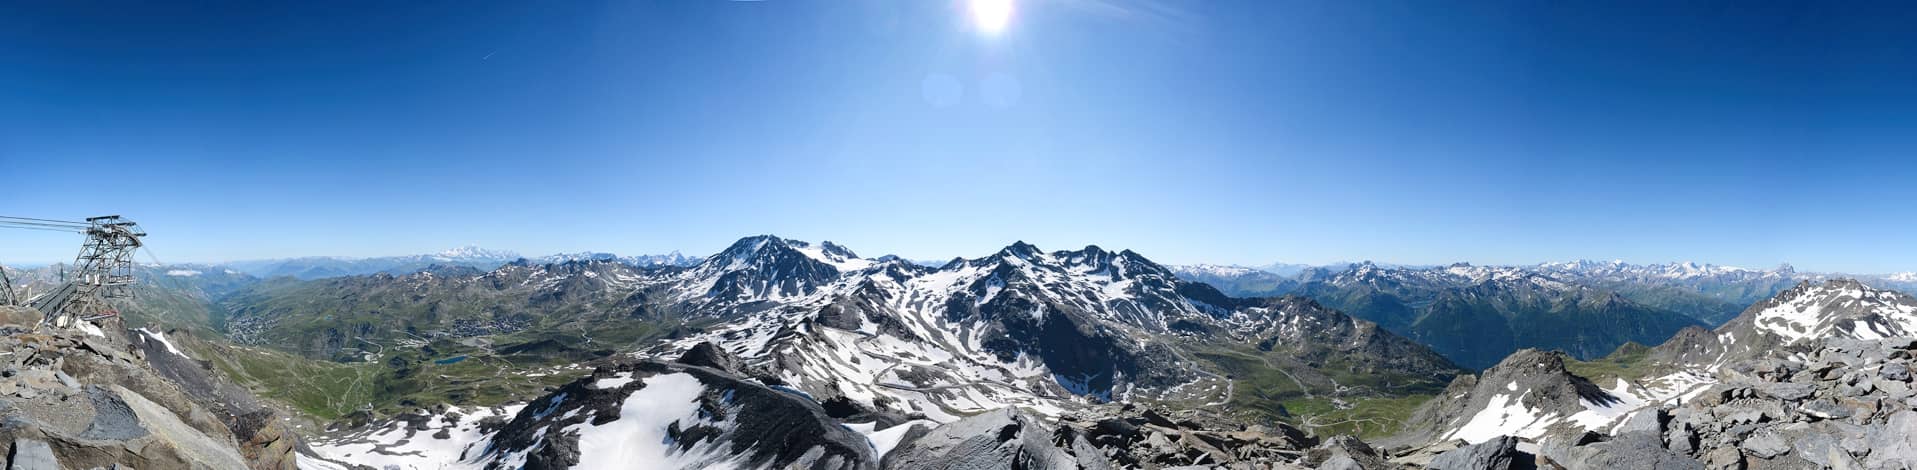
<point>991,16</point>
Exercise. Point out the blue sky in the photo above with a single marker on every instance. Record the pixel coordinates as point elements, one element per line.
<point>1746,133</point>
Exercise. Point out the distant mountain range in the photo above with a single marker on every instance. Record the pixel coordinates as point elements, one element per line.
<point>1476,315</point>
<point>774,343</point>
<point>316,267</point>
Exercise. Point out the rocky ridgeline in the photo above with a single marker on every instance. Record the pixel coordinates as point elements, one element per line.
<point>1847,405</point>
<point>728,419</point>
<point>1114,437</point>
<point>92,399</point>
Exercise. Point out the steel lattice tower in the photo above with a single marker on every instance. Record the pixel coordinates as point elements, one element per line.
<point>104,270</point>
<point>7,297</point>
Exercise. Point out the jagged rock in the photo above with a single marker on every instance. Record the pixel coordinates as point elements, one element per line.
<point>727,419</point>
<point>1649,420</point>
<point>1766,445</point>
<point>1496,454</point>
<point>1897,371</point>
<point>1724,458</point>
<point>1004,438</point>
<point>1894,442</point>
<point>1586,450</point>
<point>1342,462</point>
<point>1786,391</point>
<point>1343,452</point>
<point>32,454</point>
<point>1824,409</point>
<point>1894,390</point>
<point>1817,448</point>
<point>710,355</point>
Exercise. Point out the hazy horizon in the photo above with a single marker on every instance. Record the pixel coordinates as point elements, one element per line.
<point>143,259</point>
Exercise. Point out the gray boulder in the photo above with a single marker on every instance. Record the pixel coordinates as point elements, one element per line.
<point>1588,451</point>
<point>1496,454</point>
<point>31,454</point>
<point>1897,371</point>
<point>1824,409</point>
<point>1893,443</point>
<point>1787,391</point>
<point>1345,452</point>
<point>1766,445</point>
<point>1004,438</point>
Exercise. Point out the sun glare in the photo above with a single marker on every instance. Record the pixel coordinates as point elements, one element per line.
<point>991,16</point>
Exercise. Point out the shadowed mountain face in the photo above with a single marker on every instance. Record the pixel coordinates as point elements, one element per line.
<point>1478,315</point>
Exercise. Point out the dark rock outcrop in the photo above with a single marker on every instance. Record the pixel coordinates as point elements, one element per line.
<point>734,420</point>
<point>998,439</point>
<point>1496,454</point>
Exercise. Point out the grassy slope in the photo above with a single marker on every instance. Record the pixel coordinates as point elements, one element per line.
<point>1264,392</point>
<point>1625,363</point>
<point>400,378</point>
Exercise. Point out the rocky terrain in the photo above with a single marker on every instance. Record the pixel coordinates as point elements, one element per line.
<point>702,410</point>
<point>1816,377</point>
<point>1849,404</point>
<point>100,396</point>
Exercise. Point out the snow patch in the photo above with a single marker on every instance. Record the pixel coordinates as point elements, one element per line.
<point>639,435</point>
<point>156,336</point>
<point>1504,416</point>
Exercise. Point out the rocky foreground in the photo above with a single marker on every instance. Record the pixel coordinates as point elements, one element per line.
<point>1847,405</point>
<point>102,397</point>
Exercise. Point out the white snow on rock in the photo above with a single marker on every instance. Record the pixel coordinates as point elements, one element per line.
<point>817,252</point>
<point>639,435</point>
<point>1826,311</point>
<point>1213,270</point>
<point>1504,416</point>
<point>1601,416</point>
<point>884,440</point>
<point>616,381</point>
<point>156,336</point>
<point>183,272</point>
<point>397,447</point>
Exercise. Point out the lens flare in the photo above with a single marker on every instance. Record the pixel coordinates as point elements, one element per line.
<point>991,16</point>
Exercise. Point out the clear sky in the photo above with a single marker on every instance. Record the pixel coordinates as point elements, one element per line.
<point>1744,133</point>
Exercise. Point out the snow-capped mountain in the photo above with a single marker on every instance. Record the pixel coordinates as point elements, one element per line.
<point>1049,332</point>
<point>1238,281</point>
<point>1678,270</point>
<point>315,267</point>
<point>1522,396</point>
<point>1214,270</point>
<point>1021,326</point>
<point>1805,316</point>
<point>669,259</point>
<point>470,253</point>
